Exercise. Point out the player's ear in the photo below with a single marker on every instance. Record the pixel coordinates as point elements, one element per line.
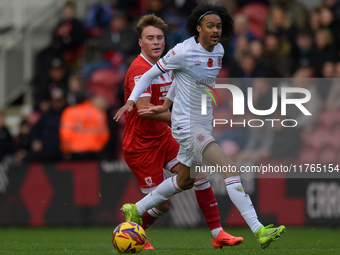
<point>140,42</point>
<point>198,27</point>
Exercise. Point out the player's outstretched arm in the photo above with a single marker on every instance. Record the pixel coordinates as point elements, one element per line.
<point>140,87</point>
<point>156,109</point>
<point>128,107</point>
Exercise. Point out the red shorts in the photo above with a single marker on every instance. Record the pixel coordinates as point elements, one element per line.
<point>147,166</point>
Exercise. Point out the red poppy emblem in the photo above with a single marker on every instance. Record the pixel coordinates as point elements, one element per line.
<point>200,137</point>
<point>210,62</point>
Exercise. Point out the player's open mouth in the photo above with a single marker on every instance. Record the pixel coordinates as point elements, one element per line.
<point>215,37</point>
<point>156,49</point>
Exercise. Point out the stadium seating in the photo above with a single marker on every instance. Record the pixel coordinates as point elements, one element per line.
<point>106,82</point>
<point>257,14</point>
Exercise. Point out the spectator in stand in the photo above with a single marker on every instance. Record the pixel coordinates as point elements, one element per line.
<point>332,101</point>
<point>302,51</point>
<point>279,25</point>
<point>334,5</point>
<point>241,49</point>
<point>132,7</point>
<point>314,21</point>
<point>117,44</point>
<point>286,142</point>
<point>22,141</point>
<point>256,51</point>
<point>118,38</point>
<point>324,85</point>
<point>238,133</point>
<point>158,7</point>
<point>84,129</point>
<point>262,94</point>
<point>258,146</point>
<point>45,136</point>
<point>97,18</point>
<point>294,11</point>
<point>241,30</point>
<point>6,140</point>
<point>324,50</point>
<point>68,35</point>
<point>302,79</point>
<point>56,77</point>
<point>76,90</point>
<point>276,62</point>
<point>328,21</point>
<point>185,6</point>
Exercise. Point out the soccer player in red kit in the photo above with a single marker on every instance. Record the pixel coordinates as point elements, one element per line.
<point>149,146</point>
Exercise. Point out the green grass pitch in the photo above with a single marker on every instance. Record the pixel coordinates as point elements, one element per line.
<point>166,241</point>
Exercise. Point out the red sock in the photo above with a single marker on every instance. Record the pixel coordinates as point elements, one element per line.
<point>207,202</point>
<point>148,220</point>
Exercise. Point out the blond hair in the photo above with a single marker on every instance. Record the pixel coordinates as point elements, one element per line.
<point>150,20</point>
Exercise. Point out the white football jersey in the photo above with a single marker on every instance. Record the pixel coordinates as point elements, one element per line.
<point>195,69</point>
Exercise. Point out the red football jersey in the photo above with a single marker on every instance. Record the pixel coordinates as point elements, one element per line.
<point>141,133</point>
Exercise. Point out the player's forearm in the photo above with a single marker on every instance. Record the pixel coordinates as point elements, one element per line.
<point>162,117</point>
<point>144,82</point>
<point>167,103</point>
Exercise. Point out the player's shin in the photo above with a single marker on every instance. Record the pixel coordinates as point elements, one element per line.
<point>243,202</point>
<point>159,195</point>
<point>207,202</point>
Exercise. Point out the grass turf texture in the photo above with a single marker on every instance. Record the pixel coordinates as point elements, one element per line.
<point>165,241</point>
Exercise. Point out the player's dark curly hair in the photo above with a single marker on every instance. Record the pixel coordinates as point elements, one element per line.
<point>227,21</point>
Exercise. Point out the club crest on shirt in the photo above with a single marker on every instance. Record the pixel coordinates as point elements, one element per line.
<point>200,137</point>
<point>168,56</point>
<point>136,78</point>
<point>149,181</point>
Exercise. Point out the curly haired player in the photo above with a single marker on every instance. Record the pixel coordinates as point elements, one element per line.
<point>196,63</point>
<point>148,144</point>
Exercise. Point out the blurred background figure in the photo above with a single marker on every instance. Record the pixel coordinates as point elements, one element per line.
<point>323,51</point>
<point>67,40</point>
<point>302,79</point>
<point>332,101</point>
<point>56,77</point>
<point>276,61</point>
<point>45,139</point>
<point>119,38</point>
<point>22,141</point>
<point>6,140</point>
<point>295,12</point>
<point>301,51</point>
<point>241,30</point>
<point>286,142</point>
<point>84,129</point>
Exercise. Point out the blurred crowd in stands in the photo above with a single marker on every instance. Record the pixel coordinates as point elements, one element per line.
<point>78,79</point>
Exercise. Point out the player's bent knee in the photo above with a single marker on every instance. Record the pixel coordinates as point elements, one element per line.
<point>187,184</point>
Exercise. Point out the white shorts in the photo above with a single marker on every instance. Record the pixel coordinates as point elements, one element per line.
<point>192,143</point>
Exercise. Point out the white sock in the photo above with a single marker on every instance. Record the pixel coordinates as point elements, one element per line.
<point>243,202</point>
<point>154,212</point>
<point>162,193</point>
<point>214,232</point>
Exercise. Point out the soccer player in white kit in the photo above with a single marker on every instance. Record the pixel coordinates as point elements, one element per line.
<point>195,63</point>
